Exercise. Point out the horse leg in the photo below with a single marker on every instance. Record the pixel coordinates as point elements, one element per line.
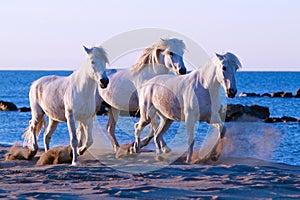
<point>145,141</point>
<point>49,132</point>
<point>80,134</point>
<point>35,126</point>
<point>113,116</point>
<point>216,152</point>
<point>88,131</point>
<point>139,126</point>
<point>158,136</point>
<point>190,124</point>
<point>72,131</point>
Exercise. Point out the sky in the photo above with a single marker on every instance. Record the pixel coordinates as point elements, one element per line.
<point>49,34</point>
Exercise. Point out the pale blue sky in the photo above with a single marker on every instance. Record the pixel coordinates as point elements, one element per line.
<point>49,34</point>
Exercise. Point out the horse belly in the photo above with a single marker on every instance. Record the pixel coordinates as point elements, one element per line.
<point>166,102</point>
<point>121,94</point>
<point>55,111</point>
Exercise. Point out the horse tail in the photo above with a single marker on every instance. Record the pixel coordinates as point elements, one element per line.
<point>29,138</point>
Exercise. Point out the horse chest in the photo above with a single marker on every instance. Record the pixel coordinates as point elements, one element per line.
<point>203,104</point>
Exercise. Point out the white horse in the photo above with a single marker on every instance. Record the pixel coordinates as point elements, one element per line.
<point>67,99</point>
<point>122,92</point>
<point>187,98</point>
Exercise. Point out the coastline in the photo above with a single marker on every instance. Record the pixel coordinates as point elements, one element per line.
<point>229,178</point>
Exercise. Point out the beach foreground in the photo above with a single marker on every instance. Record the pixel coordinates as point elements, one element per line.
<point>229,178</point>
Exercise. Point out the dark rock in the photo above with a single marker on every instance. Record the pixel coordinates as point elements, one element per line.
<point>235,111</point>
<point>266,95</point>
<point>273,120</point>
<point>288,119</point>
<point>257,111</point>
<point>297,93</point>
<point>24,109</point>
<point>287,95</point>
<point>277,94</point>
<point>245,94</point>
<point>7,106</point>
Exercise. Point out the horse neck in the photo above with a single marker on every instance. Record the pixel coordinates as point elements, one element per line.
<point>208,74</point>
<point>84,83</point>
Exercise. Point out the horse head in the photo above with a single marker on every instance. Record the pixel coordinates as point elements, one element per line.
<point>226,70</point>
<point>170,53</point>
<point>97,66</point>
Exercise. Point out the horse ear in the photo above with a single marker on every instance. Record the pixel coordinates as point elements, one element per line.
<point>221,57</point>
<point>87,50</point>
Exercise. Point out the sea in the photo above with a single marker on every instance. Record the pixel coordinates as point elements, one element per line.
<point>278,142</point>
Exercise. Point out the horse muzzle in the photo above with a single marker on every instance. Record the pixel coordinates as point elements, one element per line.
<point>231,93</point>
<point>104,82</point>
<point>182,71</point>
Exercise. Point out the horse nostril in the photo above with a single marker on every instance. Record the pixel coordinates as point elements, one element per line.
<point>182,71</point>
<point>231,93</point>
<point>104,82</point>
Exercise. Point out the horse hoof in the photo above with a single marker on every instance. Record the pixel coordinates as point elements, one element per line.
<point>134,150</point>
<point>166,149</point>
<point>159,158</point>
<point>188,161</point>
<point>81,151</point>
<point>75,163</point>
<point>215,158</point>
<point>116,149</point>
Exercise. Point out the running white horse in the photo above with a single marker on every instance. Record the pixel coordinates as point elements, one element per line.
<point>122,92</point>
<point>67,99</point>
<point>187,98</point>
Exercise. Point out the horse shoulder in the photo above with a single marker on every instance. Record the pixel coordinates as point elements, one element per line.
<point>198,99</point>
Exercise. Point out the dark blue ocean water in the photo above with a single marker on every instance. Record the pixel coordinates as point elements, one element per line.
<point>278,142</point>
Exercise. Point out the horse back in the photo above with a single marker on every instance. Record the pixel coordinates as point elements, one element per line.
<point>48,94</point>
<point>175,97</point>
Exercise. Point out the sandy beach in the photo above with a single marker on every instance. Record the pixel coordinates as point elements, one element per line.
<point>229,178</point>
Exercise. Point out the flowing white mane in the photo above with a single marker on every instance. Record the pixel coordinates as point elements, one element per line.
<point>150,55</point>
<point>146,58</point>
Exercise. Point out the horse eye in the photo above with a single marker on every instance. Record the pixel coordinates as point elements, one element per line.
<point>224,68</point>
<point>93,62</point>
<point>171,54</point>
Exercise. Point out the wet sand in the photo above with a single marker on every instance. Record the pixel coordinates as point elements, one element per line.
<point>229,178</point>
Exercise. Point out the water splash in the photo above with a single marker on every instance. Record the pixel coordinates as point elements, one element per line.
<point>251,140</point>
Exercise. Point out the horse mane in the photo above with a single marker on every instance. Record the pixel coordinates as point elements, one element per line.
<point>145,58</point>
<point>100,53</point>
<point>150,54</point>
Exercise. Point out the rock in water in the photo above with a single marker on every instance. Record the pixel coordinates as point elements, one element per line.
<point>297,93</point>
<point>7,106</point>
